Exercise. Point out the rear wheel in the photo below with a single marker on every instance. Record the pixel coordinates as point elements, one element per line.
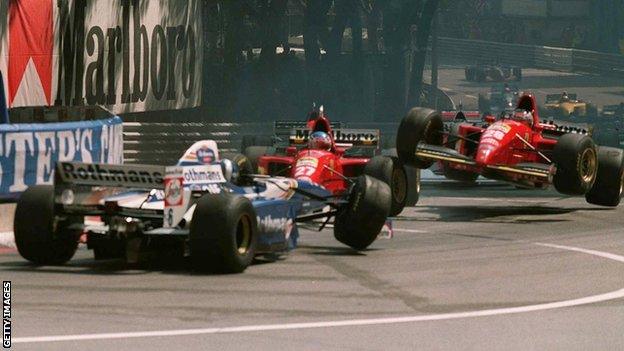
<point>390,170</point>
<point>241,168</point>
<point>360,222</point>
<point>577,164</point>
<point>40,236</point>
<point>223,233</point>
<point>470,76</point>
<point>253,154</point>
<point>609,185</point>
<point>420,125</point>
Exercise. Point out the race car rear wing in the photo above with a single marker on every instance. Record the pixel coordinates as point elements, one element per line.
<point>553,98</point>
<point>282,129</point>
<point>345,138</point>
<point>132,190</point>
<point>130,176</point>
<point>451,116</point>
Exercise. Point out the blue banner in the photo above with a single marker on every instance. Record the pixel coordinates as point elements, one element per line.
<point>28,152</point>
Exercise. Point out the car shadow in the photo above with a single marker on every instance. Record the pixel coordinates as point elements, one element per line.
<point>90,266</point>
<point>333,250</point>
<point>494,214</point>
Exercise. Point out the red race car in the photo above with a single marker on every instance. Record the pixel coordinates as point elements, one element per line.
<point>516,148</point>
<point>332,157</point>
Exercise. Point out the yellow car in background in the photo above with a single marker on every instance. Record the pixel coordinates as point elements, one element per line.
<point>568,106</point>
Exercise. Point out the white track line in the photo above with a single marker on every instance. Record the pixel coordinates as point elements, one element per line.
<point>354,322</point>
<point>409,230</point>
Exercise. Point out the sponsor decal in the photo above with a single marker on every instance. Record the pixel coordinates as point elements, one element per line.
<point>205,155</point>
<point>363,137</point>
<point>203,174</point>
<point>305,167</point>
<point>269,224</point>
<point>173,191</point>
<point>129,55</point>
<point>103,174</point>
<point>28,152</point>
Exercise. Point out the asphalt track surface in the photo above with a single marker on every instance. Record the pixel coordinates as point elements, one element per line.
<point>466,269</point>
<point>482,268</point>
<point>599,90</point>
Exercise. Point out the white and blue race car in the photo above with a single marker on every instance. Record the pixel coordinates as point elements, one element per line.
<point>204,207</point>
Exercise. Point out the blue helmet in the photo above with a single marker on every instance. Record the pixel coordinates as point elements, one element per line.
<point>319,141</point>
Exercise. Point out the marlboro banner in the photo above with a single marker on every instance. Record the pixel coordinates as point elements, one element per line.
<point>127,55</point>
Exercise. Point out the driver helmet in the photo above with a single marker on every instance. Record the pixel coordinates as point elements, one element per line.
<point>521,115</point>
<point>564,96</point>
<point>320,141</point>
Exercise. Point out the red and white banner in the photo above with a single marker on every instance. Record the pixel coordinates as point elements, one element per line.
<point>127,55</point>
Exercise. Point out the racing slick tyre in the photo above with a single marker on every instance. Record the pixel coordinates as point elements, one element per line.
<point>223,233</point>
<point>40,236</point>
<point>480,76</point>
<point>360,222</point>
<point>607,136</point>
<point>420,124</point>
<point>256,140</point>
<point>609,185</point>
<point>253,153</point>
<point>577,164</point>
<point>470,74</point>
<point>390,170</point>
<point>237,174</point>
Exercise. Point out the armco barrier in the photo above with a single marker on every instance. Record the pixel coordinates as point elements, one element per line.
<point>164,143</point>
<point>465,51</point>
<point>28,151</point>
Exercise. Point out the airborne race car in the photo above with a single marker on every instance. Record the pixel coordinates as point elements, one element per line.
<point>518,149</point>
<point>200,207</point>
<point>348,153</point>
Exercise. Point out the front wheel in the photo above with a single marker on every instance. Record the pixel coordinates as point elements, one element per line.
<point>40,236</point>
<point>577,164</point>
<point>420,125</point>
<point>609,185</point>
<point>223,233</point>
<point>391,171</point>
<point>359,223</point>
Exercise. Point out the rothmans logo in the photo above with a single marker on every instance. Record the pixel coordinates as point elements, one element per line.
<point>269,224</point>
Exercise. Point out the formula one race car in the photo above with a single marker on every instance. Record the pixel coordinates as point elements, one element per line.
<point>200,207</point>
<point>330,157</point>
<point>499,100</point>
<point>568,106</point>
<point>495,72</point>
<point>518,149</point>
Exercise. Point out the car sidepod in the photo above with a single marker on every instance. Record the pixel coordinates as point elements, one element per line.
<point>277,227</point>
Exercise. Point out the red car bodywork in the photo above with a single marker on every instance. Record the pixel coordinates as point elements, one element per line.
<point>327,168</point>
<point>507,149</point>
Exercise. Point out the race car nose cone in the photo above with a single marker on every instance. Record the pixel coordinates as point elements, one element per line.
<point>484,154</point>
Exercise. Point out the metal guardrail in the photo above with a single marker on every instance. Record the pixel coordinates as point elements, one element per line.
<point>553,58</point>
<point>164,143</point>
